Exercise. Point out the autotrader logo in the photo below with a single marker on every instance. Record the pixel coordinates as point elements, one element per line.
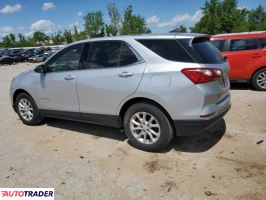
<point>27,193</point>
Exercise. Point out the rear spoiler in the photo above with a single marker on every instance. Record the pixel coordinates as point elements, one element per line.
<point>199,38</point>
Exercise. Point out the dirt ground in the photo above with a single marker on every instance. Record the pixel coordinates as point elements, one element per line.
<point>83,161</point>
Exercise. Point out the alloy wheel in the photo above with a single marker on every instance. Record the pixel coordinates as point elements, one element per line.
<point>261,79</point>
<point>145,127</point>
<point>25,109</point>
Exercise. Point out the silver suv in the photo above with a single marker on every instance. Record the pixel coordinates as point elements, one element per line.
<point>153,86</point>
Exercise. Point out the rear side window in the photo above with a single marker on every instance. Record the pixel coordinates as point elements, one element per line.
<point>127,56</point>
<point>262,42</point>
<point>167,48</point>
<point>243,44</point>
<point>107,54</point>
<point>219,44</point>
<point>103,55</point>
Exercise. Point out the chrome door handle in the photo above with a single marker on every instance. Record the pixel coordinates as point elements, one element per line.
<point>125,74</point>
<point>69,77</point>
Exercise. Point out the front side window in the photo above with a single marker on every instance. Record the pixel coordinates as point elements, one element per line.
<point>66,60</point>
<point>243,44</point>
<point>109,54</point>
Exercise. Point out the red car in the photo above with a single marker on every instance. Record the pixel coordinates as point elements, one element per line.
<point>246,54</point>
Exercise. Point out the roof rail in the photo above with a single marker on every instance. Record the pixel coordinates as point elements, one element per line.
<point>244,33</point>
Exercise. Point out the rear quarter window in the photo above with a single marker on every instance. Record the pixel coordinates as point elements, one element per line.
<point>202,50</point>
<point>168,49</point>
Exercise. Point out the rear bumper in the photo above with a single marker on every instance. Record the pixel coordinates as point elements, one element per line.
<point>195,127</point>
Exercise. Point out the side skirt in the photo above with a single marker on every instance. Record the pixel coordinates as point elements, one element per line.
<point>101,119</point>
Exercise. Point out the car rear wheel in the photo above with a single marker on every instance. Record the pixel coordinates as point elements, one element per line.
<point>27,109</point>
<point>259,80</point>
<point>147,127</point>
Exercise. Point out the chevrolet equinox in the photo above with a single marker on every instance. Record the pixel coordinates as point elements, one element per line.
<point>154,86</point>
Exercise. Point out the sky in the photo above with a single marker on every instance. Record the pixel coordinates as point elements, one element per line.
<point>28,16</point>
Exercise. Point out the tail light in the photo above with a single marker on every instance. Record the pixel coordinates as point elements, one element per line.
<point>202,75</point>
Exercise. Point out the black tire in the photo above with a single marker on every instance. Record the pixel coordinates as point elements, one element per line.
<point>36,119</point>
<point>254,80</point>
<point>166,130</point>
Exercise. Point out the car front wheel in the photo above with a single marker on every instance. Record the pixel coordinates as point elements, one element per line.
<point>27,109</point>
<point>147,127</point>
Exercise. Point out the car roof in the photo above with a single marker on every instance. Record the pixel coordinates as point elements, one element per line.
<point>255,34</point>
<point>147,36</point>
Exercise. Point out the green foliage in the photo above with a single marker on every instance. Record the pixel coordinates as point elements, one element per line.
<point>68,36</point>
<point>113,28</point>
<point>24,42</point>
<point>40,38</point>
<point>133,24</point>
<point>9,40</point>
<point>226,17</point>
<point>257,19</point>
<point>182,29</point>
<point>94,25</point>
<point>57,38</point>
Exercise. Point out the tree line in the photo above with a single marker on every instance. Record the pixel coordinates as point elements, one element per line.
<point>94,26</point>
<point>227,17</point>
<point>219,16</point>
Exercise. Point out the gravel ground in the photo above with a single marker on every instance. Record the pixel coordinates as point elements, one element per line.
<point>83,161</point>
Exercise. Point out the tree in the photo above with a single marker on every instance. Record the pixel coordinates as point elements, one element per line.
<point>22,41</point>
<point>114,15</point>
<point>79,35</point>
<point>9,40</point>
<point>94,25</point>
<point>133,24</point>
<point>40,38</point>
<point>182,29</point>
<point>58,38</point>
<point>68,36</point>
<point>226,17</point>
<point>257,19</point>
<point>210,22</point>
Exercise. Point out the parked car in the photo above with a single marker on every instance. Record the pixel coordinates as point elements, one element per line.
<point>7,60</point>
<point>246,54</point>
<point>154,86</point>
<point>19,57</point>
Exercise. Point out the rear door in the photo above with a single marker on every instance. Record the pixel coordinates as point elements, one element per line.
<point>111,72</point>
<point>242,55</point>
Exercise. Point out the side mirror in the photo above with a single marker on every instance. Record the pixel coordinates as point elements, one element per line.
<point>40,69</point>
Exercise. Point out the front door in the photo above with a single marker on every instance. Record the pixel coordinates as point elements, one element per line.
<point>57,87</point>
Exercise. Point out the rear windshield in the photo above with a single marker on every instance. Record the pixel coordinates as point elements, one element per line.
<point>202,50</point>
<point>169,49</point>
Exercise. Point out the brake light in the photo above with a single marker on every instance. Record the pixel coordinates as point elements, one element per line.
<point>202,75</point>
